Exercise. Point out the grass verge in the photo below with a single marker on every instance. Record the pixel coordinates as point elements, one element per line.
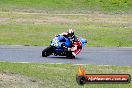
<point>63,75</point>
<point>38,29</point>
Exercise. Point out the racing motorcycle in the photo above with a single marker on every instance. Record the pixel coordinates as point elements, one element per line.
<point>60,44</point>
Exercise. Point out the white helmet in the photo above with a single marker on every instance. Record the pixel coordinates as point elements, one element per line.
<point>70,33</point>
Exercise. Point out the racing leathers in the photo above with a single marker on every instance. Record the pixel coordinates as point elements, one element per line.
<point>75,44</point>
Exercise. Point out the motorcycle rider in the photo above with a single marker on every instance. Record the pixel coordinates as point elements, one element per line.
<point>74,41</point>
<point>70,34</point>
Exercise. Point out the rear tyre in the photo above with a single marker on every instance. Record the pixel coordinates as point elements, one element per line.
<point>46,52</point>
<point>70,55</point>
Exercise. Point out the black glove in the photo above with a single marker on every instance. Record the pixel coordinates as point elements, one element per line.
<point>62,45</point>
<point>65,48</point>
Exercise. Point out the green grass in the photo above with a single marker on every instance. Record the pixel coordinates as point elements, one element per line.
<point>39,29</point>
<point>66,6</point>
<point>64,75</point>
<point>43,34</point>
<point>17,27</point>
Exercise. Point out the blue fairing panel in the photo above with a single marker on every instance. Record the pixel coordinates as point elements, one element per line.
<point>58,41</point>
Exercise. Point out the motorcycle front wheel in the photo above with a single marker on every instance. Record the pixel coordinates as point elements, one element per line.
<point>46,52</point>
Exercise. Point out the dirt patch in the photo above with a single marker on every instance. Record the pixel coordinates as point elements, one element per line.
<point>18,81</point>
<point>61,20</point>
<point>3,20</point>
<point>47,20</point>
<point>113,19</point>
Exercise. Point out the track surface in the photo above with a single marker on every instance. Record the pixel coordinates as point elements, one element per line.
<point>91,55</point>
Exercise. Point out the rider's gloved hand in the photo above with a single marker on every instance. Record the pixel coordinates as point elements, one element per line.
<point>62,45</point>
<point>69,49</point>
<point>66,48</point>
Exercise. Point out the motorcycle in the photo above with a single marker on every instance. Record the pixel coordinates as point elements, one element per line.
<point>60,44</point>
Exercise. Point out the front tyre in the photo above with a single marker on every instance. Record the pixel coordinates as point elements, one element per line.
<point>46,52</point>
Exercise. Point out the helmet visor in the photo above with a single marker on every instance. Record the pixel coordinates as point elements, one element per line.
<point>71,35</point>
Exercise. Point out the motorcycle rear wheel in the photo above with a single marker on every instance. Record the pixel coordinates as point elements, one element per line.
<point>70,55</point>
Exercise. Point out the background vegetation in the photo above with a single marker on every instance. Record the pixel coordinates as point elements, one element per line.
<point>75,6</point>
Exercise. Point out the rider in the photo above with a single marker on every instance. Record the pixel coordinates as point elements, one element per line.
<point>70,34</point>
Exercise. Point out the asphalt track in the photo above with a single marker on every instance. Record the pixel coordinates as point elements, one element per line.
<point>90,55</point>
